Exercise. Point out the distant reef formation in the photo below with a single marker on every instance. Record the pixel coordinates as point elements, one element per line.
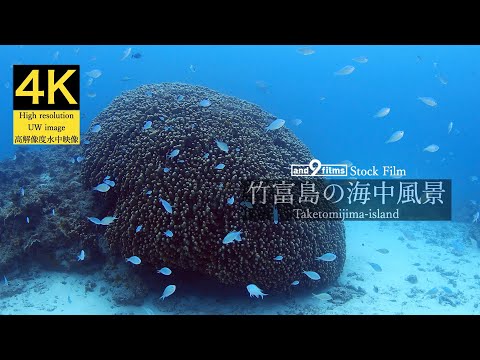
<point>166,142</point>
<point>474,233</point>
<point>43,209</point>
<point>57,206</point>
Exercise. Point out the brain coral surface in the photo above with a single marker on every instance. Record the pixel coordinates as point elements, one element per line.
<point>145,166</point>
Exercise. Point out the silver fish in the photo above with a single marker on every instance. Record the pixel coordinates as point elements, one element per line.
<point>397,135</point>
<point>428,101</point>
<point>431,148</point>
<point>306,51</point>
<point>275,125</point>
<point>323,296</point>
<point>382,112</point>
<point>94,73</point>
<point>361,59</point>
<point>346,70</point>
<point>126,53</point>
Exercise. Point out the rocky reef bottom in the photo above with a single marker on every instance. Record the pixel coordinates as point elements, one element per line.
<point>420,275</point>
<point>425,268</point>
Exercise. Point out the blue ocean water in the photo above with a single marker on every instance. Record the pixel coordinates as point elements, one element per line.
<point>339,127</point>
<point>337,112</point>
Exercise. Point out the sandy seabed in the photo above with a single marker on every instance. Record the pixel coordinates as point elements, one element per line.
<point>419,259</point>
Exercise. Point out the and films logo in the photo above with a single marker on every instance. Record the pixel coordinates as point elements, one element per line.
<point>316,168</point>
<point>46,105</point>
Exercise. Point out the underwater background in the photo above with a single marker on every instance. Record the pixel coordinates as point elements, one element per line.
<point>426,267</point>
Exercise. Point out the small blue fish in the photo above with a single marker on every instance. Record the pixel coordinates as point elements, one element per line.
<point>165,170</point>
<point>375,267</point>
<point>295,283</point>
<point>22,191</point>
<point>277,124</point>
<point>134,260</point>
<point>96,128</point>
<point>164,271</point>
<point>110,183</point>
<point>323,296</point>
<point>149,93</point>
<point>106,177</point>
<point>447,290</point>
<point>72,160</point>
<point>231,200</point>
<point>278,258</point>
<point>5,281</point>
<point>169,290</point>
<point>95,220</point>
<point>296,122</point>
<point>149,192</point>
<point>14,157</point>
<point>147,125</point>
<point>69,299</point>
<point>166,205</point>
<point>108,220</point>
<point>137,56</point>
<point>168,233</point>
<point>220,186</point>
<point>180,98</point>
<point>81,257</point>
<point>180,161</point>
<point>237,149</point>
<point>205,103</point>
<point>28,220</point>
<point>86,142</point>
<point>206,155</point>
<point>161,118</point>
<point>275,215</point>
<point>432,291</point>
<point>312,275</point>
<point>102,188</point>
<point>247,204</point>
<point>53,212</point>
<point>232,236</point>
<point>168,128</point>
<point>139,228</point>
<point>173,154</point>
<point>254,290</point>
<point>221,145</point>
<point>220,166</point>
<point>80,159</point>
<point>327,257</point>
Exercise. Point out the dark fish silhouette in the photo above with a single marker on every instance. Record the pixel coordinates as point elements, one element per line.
<point>375,267</point>
<point>137,56</point>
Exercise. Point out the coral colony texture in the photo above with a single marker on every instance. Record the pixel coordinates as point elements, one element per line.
<point>54,203</point>
<point>145,166</point>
